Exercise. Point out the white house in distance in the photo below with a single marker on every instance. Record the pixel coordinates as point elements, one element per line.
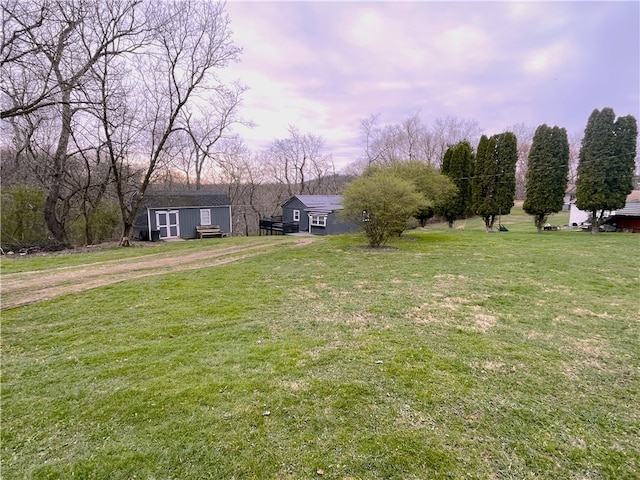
<point>578,217</point>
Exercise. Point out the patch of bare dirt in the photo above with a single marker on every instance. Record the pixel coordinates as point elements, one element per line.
<point>29,287</point>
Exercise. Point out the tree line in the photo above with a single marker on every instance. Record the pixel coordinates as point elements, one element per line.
<point>100,96</point>
<point>102,101</point>
<point>483,182</point>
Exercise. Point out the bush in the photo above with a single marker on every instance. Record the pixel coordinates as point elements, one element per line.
<point>22,224</point>
<point>104,225</point>
<point>381,203</point>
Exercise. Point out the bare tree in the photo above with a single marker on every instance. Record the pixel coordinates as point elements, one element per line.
<point>448,131</point>
<point>119,75</point>
<point>183,155</point>
<point>575,143</point>
<point>88,188</point>
<point>52,47</point>
<point>411,139</point>
<point>209,125</point>
<point>190,41</point>
<point>32,139</point>
<point>417,137</point>
<point>21,24</point>
<point>369,132</point>
<point>524,135</point>
<point>242,175</point>
<point>387,143</point>
<point>298,163</point>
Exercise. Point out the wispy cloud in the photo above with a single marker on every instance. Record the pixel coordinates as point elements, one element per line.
<point>324,65</point>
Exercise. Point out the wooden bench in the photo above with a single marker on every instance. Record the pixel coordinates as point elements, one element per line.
<point>209,231</point>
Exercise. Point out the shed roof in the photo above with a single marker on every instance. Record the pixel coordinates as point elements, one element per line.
<point>177,199</point>
<point>631,209</point>
<point>327,203</point>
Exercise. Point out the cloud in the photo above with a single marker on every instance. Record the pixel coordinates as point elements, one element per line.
<point>549,59</point>
<point>366,27</point>
<point>324,65</point>
<point>465,47</point>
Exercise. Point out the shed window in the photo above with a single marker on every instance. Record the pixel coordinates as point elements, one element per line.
<point>296,215</point>
<point>205,216</point>
<point>318,220</point>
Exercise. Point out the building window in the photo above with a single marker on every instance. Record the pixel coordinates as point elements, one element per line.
<point>318,220</point>
<point>205,216</point>
<point>296,215</point>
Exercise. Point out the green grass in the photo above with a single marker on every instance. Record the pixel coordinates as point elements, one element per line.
<point>103,253</point>
<point>457,354</point>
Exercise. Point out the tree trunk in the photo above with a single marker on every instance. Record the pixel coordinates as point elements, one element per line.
<point>126,234</point>
<point>88,235</point>
<point>246,222</point>
<point>489,220</point>
<point>595,224</point>
<point>55,225</point>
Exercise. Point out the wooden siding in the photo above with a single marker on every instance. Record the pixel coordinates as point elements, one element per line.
<point>189,219</point>
<point>626,224</point>
<point>335,225</point>
<point>287,214</point>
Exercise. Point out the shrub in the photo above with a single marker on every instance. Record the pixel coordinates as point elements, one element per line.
<point>22,222</point>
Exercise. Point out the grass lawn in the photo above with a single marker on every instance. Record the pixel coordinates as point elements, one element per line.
<point>456,354</point>
<point>109,253</point>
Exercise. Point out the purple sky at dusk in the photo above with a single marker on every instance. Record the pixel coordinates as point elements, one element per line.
<point>322,66</point>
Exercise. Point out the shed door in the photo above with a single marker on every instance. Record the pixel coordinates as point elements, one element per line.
<point>168,223</point>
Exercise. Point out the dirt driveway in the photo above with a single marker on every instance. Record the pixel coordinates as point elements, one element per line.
<point>28,287</point>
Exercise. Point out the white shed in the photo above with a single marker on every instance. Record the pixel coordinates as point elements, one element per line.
<point>577,216</point>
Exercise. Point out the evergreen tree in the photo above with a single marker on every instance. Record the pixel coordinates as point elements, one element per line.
<point>547,173</point>
<point>479,184</point>
<point>457,164</point>
<point>494,182</point>
<point>606,164</point>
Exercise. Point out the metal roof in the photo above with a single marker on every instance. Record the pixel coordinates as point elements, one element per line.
<point>631,209</point>
<point>321,203</point>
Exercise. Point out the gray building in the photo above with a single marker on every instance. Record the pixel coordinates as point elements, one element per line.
<point>316,214</point>
<point>168,215</point>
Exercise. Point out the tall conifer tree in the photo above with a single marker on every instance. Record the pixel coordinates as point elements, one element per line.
<point>494,182</point>
<point>547,173</point>
<point>458,166</point>
<point>607,164</point>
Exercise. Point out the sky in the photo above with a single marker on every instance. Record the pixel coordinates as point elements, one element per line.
<point>323,66</point>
